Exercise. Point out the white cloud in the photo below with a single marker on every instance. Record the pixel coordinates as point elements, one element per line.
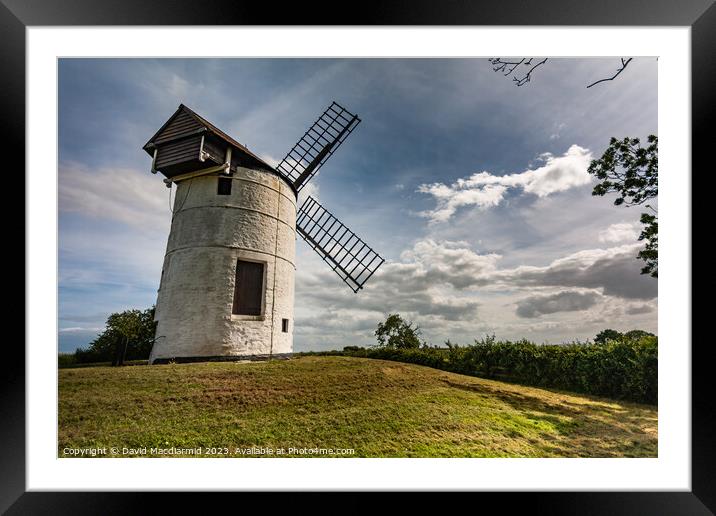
<point>542,158</point>
<point>178,87</point>
<point>563,301</point>
<point>268,158</point>
<point>432,262</point>
<point>441,279</point>
<point>310,189</point>
<point>423,283</point>
<point>453,291</point>
<point>639,309</point>
<point>117,243</point>
<point>450,198</point>
<point>622,232</point>
<point>557,132</point>
<point>78,329</point>
<point>133,197</point>
<point>616,271</point>
<point>485,190</point>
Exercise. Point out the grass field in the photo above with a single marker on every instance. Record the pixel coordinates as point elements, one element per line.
<point>377,408</point>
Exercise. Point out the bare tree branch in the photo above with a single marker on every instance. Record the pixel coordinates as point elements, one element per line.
<point>527,76</point>
<point>620,70</point>
<point>508,67</point>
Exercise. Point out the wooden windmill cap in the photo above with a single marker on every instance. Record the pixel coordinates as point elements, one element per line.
<point>187,140</point>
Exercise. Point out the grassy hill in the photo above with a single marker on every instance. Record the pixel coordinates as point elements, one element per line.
<point>377,408</point>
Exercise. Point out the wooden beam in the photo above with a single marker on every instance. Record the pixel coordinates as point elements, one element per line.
<point>196,173</point>
<point>154,160</point>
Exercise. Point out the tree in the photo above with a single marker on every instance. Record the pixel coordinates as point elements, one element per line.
<point>631,171</point>
<point>607,335</point>
<point>637,334</point>
<point>137,326</point>
<point>397,333</point>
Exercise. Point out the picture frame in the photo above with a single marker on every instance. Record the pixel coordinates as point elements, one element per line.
<point>700,15</point>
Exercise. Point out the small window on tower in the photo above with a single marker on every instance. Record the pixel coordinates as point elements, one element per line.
<point>224,186</point>
<point>248,288</point>
<point>284,325</point>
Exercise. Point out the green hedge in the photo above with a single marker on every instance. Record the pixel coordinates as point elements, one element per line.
<point>624,369</point>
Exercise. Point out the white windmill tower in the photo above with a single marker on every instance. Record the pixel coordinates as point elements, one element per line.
<point>227,286</point>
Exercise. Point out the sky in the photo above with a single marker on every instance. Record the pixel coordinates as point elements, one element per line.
<point>476,191</point>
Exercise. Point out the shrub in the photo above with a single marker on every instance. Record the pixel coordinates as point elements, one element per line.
<point>619,369</point>
<point>637,334</point>
<point>608,334</point>
<point>66,359</point>
<point>136,326</point>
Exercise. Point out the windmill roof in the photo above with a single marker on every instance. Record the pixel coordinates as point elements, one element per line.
<point>208,126</point>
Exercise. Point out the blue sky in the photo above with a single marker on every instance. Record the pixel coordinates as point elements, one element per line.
<point>473,189</point>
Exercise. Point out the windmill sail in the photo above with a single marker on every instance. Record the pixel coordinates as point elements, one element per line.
<point>351,258</point>
<point>317,144</point>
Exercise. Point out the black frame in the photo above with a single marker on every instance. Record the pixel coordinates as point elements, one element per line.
<point>16,15</point>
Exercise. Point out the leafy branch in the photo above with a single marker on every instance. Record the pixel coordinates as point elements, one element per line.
<point>631,171</point>
<point>628,169</point>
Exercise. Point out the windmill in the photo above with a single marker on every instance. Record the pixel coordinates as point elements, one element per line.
<point>227,285</point>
